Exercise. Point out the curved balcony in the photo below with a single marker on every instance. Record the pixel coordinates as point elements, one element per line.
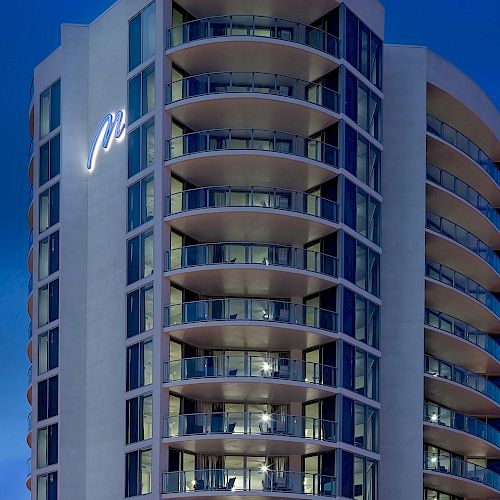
<point>246,482</point>
<point>30,425</point>
<point>250,269</point>
<point>252,157</point>
<point>454,246</point>
<point>31,169</point>
<point>28,474</point>
<point>229,213</point>
<point>459,433</point>
<point>237,378</point>
<point>249,433</point>
<point>455,294</point>
<point>29,393</point>
<point>251,324</point>
<point>299,10</point>
<point>251,99</point>
<point>461,478</point>
<point>461,343</point>
<point>29,349</point>
<point>242,41</point>
<point>463,154</point>
<point>30,216</point>
<point>459,388</point>
<point>446,194</point>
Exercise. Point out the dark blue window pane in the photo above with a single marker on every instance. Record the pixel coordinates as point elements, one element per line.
<point>55,105</point>
<point>55,156</point>
<point>133,420</point>
<point>52,408</point>
<point>349,312</point>
<point>349,258</point>
<point>133,313</point>
<point>347,474</point>
<point>54,252</point>
<point>351,152</point>
<point>53,349</point>
<point>348,366</point>
<point>133,260</point>
<point>350,204</point>
<point>53,300</point>
<point>134,152</point>
<point>351,99</point>
<point>52,445</point>
<point>44,164</point>
<point>347,421</point>
<point>42,400</point>
<point>351,38</point>
<point>134,99</point>
<point>52,486</point>
<point>134,42</point>
<point>133,356</point>
<point>54,205</point>
<point>132,486</point>
<point>134,206</point>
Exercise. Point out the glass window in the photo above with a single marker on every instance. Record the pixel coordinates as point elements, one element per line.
<point>48,256</point>
<point>50,159</point>
<point>140,365</point>
<point>140,311</point>
<point>359,477</point>
<point>376,61</point>
<point>361,265</point>
<point>351,37</point>
<point>375,118</point>
<point>48,351</point>
<point>50,109</point>
<point>142,36</point>
<point>140,202</point>
<point>49,208</point>
<point>141,94</point>
<point>139,418</point>
<point>141,148</point>
<point>47,398</point>
<point>138,473</point>
<point>364,50</point>
<point>361,318</point>
<point>140,257</point>
<point>46,488</point>
<point>47,446</point>
<point>48,303</point>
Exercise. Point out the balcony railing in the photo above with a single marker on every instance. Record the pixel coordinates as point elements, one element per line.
<point>260,367</point>
<point>454,466</point>
<point>247,480</point>
<point>255,424</point>
<point>442,369</point>
<point>254,197</point>
<point>30,148</point>
<point>459,328</point>
<point>463,237</point>
<point>251,140</point>
<point>438,415</point>
<point>462,283</point>
<point>30,375</point>
<point>209,254</point>
<point>30,239</point>
<point>258,310</point>
<point>464,191</point>
<point>253,26</point>
<point>30,285</point>
<point>464,144</point>
<point>252,82</point>
<point>30,330</point>
<point>30,421</point>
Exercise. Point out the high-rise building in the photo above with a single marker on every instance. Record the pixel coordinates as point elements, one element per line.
<point>214,281</point>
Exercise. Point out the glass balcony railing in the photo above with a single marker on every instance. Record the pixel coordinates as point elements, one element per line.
<point>30,239</point>
<point>435,414</point>
<point>30,330</point>
<point>464,191</point>
<point>30,195</point>
<point>30,285</point>
<point>30,375</point>
<point>255,83</point>
<point>454,466</point>
<point>464,144</point>
<point>259,367</point>
<point>462,283</point>
<point>248,480</point>
<point>258,424</point>
<point>30,421</point>
<point>255,197</point>
<point>442,369</point>
<point>28,468</point>
<point>459,328</point>
<point>209,254</point>
<point>251,140</point>
<point>258,310</point>
<point>253,26</point>
<point>31,148</point>
<point>463,237</point>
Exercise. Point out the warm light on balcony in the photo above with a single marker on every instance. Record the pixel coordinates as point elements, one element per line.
<point>265,417</point>
<point>264,468</point>
<point>266,367</point>
<point>434,417</point>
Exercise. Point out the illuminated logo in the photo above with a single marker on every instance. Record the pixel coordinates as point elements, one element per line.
<point>110,126</point>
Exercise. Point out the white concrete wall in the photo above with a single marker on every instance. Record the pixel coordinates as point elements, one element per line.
<point>403,260</point>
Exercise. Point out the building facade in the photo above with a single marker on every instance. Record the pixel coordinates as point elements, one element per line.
<point>208,295</point>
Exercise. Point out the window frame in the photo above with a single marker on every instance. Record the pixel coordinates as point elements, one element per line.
<point>52,126</point>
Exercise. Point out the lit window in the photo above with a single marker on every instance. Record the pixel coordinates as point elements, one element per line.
<point>50,109</point>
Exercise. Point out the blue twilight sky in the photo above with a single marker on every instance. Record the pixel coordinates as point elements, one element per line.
<point>464,31</point>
